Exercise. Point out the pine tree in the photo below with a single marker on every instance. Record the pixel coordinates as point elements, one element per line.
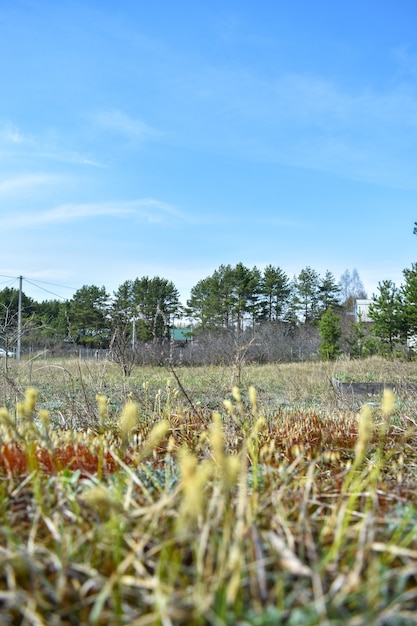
<point>151,302</point>
<point>275,290</point>
<point>245,294</point>
<point>306,294</point>
<point>227,299</point>
<point>329,292</point>
<point>409,295</point>
<point>329,329</point>
<point>88,316</point>
<point>387,314</point>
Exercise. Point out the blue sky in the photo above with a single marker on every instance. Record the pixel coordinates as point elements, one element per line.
<point>165,138</point>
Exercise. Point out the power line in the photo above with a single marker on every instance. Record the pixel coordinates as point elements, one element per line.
<point>8,282</point>
<point>44,282</point>
<point>37,285</point>
<point>46,290</point>
<point>13,277</point>
<point>19,313</point>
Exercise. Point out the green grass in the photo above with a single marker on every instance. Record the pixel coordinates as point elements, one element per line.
<point>155,502</point>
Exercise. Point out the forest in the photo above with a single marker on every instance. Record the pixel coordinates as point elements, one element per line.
<point>238,312</point>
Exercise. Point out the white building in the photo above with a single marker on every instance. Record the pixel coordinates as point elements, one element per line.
<point>362,310</point>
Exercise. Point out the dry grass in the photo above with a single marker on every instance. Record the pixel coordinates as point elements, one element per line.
<point>124,504</point>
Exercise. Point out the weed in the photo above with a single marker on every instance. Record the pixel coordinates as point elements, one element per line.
<point>277,507</point>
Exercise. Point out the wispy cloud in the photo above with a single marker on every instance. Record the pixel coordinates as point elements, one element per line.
<point>124,124</point>
<point>317,101</point>
<point>10,133</point>
<point>364,135</point>
<point>146,210</point>
<point>25,183</point>
<point>70,158</point>
<point>358,130</point>
<point>25,146</point>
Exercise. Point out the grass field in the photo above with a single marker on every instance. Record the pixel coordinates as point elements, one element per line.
<point>173,497</point>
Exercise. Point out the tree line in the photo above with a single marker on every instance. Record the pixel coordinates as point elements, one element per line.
<point>238,309</point>
<point>394,313</point>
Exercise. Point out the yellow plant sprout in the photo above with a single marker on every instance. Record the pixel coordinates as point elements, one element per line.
<point>228,466</point>
<point>253,399</point>
<point>236,394</point>
<point>100,500</point>
<point>358,483</point>
<point>171,445</point>
<point>31,396</point>
<point>365,429</point>
<point>45,418</point>
<point>253,440</point>
<point>194,478</point>
<point>128,420</point>
<point>238,399</point>
<point>388,403</point>
<point>157,434</point>
<point>259,425</point>
<point>188,463</point>
<point>26,408</point>
<point>102,408</point>
<point>217,439</point>
<point>231,471</point>
<point>228,405</point>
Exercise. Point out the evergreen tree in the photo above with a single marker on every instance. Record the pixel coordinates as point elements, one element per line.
<point>202,306</point>
<point>306,295</point>
<point>150,303</point>
<point>50,323</point>
<point>275,292</point>
<point>359,340</point>
<point>9,305</point>
<point>245,293</point>
<point>88,316</point>
<point>9,300</point>
<point>329,329</point>
<point>387,314</point>
<point>409,296</point>
<point>223,287</point>
<point>124,331</point>
<point>254,305</point>
<point>227,299</point>
<point>329,292</point>
<point>211,300</point>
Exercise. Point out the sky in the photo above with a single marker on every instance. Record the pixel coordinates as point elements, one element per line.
<point>168,137</point>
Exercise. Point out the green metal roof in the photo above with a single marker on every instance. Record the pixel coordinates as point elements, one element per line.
<point>181,334</point>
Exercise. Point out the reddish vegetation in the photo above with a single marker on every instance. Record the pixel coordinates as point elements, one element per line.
<point>289,433</point>
<point>16,460</point>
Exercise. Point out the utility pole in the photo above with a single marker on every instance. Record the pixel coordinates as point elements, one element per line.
<point>133,334</point>
<point>19,320</point>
